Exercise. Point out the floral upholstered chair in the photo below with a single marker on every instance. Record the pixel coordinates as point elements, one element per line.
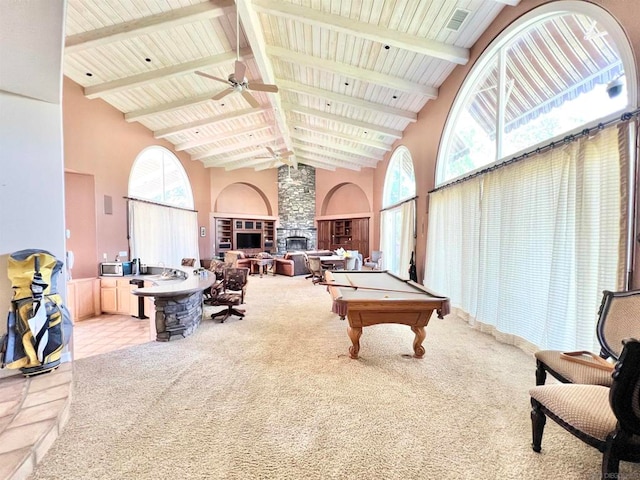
<point>229,293</point>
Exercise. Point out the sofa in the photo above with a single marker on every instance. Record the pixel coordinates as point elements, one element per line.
<point>294,263</point>
<point>237,258</point>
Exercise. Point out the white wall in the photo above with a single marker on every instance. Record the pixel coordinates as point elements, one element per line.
<point>31,153</point>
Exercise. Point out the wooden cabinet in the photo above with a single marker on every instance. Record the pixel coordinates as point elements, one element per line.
<point>224,238</point>
<point>324,235</point>
<point>348,233</point>
<point>260,233</point>
<point>83,298</point>
<point>116,296</point>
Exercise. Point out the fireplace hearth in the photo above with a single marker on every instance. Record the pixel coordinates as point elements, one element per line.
<point>296,243</point>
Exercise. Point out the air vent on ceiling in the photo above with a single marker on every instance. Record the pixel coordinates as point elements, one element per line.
<point>457,19</point>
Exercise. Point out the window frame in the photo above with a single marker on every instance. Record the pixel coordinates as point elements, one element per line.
<point>497,48</point>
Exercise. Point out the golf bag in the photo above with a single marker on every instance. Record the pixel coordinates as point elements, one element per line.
<point>39,325</point>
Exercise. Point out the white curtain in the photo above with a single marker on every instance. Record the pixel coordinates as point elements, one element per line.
<point>527,249</point>
<point>397,237</point>
<point>162,235</point>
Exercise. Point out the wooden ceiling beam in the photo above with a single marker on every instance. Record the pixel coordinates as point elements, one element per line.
<point>221,136</point>
<point>331,153</point>
<point>167,132</point>
<point>368,127</point>
<point>301,128</point>
<point>368,31</point>
<point>346,70</point>
<point>146,25</point>
<point>347,100</point>
<point>154,76</point>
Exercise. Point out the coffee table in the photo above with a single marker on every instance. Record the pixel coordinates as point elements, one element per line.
<point>262,265</point>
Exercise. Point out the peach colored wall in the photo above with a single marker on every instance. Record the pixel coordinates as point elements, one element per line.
<point>327,180</point>
<point>423,137</point>
<point>243,199</point>
<point>264,182</point>
<point>345,200</point>
<point>80,219</point>
<point>98,141</point>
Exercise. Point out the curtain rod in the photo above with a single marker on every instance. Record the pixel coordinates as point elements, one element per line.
<point>625,117</point>
<point>159,204</point>
<point>399,203</point>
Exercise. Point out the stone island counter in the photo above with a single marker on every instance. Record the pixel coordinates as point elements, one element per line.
<point>178,299</point>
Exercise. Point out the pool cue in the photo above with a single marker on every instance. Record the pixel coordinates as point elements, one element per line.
<point>356,287</point>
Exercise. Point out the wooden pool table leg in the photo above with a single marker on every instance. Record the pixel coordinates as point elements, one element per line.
<point>418,349</point>
<point>354,335</point>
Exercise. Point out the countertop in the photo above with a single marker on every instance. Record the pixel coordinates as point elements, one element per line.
<point>175,286</point>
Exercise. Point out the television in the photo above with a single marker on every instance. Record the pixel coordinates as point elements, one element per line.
<point>248,240</point>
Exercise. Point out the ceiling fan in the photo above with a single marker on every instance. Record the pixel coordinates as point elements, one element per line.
<point>236,81</point>
<point>281,156</point>
<point>288,180</point>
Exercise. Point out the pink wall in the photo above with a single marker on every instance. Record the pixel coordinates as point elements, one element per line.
<point>98,142</point>
<point>243,199</point>
<point>80,219</point>
<point>422,138</point>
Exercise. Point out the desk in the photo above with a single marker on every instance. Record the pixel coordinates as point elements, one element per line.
<point>262,266</point>
<point>376,297</point>
<point>333,261</point>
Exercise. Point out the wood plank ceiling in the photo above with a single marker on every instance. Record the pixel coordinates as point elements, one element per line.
<point>351,74</point>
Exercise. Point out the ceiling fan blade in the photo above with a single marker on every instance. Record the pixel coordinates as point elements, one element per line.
<point>250,100</point>
<point>264,158</point>
<point>240,69</point>
<point>206,75</point>
<point>286,154</point>
<point>271,151</point>
<point>263,87</point>
<point>222,94</point>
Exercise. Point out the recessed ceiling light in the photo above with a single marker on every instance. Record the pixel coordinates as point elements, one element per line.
<point>197,131</point>
<point>346,83</point>
<point>387,47</point>
<point>328,104</point>
<point>394,97</point>
<point>147,59</point>
<point>89,74</point>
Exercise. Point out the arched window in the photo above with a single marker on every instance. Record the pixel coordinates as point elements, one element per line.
<point>557,69</point>
<point>397,219</point>
<point>158,176</point>
<point>163,226</point>
<point>400,181</point>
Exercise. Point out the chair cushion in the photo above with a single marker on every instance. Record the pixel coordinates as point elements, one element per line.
<point>572,371</point>
<point>584,407</point>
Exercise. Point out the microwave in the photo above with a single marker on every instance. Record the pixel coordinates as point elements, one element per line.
<point>115,269</point>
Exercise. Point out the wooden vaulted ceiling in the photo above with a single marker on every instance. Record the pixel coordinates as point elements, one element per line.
<point>351,74</point>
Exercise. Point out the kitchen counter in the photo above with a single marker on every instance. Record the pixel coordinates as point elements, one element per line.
<point>174,286</point>
<point>178,299</point>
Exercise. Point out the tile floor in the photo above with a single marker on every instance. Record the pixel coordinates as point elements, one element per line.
<point>107,333</point>
<point>34,410</point>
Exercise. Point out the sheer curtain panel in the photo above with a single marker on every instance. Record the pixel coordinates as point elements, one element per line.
<point>161,234</point>
<point>527,249</point>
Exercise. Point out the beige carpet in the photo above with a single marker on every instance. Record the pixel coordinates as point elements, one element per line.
<point>276,396</point>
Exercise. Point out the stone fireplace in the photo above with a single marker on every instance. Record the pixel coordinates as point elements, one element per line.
<point>297,209</point>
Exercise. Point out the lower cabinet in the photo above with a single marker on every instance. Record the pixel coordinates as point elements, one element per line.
<point>116,296</point>
<point>83,298</point>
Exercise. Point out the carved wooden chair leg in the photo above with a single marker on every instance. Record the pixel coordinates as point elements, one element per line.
<point>541,373</point>
<point>538,420</point>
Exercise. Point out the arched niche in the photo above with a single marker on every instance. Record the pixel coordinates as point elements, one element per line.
<point>243,198</point>
<point>345,198</point>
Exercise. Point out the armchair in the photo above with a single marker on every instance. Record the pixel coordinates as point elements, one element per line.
<point>374,261</point>
<point>617,320</point>
<point>229,293</point>
<point>605,418</point>
<point>188,262</point>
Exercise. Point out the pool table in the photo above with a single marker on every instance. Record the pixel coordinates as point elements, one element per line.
<point>374,297</point>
